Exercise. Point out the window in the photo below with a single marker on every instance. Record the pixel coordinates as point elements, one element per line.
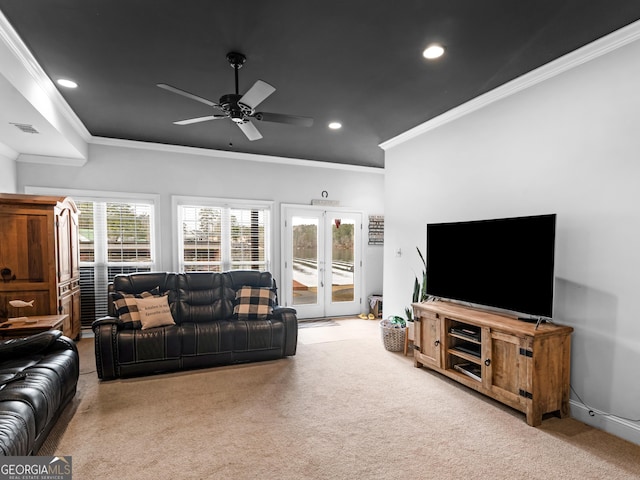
<point>115,237</point>
<point>217,237</point>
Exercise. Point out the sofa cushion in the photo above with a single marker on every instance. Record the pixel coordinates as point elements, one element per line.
<point>37,387</point>
<point>126,307</point>
<point>254,303</point>
<point>151,346</point>
<point>203,297</point>
<point>154,312</point>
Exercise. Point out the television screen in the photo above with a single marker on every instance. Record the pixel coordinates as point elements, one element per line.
<point>506,263</point>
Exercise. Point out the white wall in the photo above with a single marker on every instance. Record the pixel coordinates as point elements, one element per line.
<point>8,176</point>
<point>126,167</point>
<point>569,145</point>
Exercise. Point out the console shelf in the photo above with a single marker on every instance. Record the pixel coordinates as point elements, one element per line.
<point>514,362</point>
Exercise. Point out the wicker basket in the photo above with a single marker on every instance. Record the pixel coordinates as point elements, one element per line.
<point>392,337</point>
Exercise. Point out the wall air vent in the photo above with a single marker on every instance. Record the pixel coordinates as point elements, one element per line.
<point>25,127</point>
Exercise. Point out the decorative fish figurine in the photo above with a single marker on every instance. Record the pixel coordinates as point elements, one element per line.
<point>20,303</point>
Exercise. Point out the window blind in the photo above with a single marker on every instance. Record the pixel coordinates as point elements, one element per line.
<point>221,237</point>
<point>115,237</point>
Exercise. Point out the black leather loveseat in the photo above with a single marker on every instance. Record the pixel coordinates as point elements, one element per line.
<point>38,377</point>
<point>215,318</point>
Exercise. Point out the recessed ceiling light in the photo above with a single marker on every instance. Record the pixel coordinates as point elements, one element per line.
<point>63,82</point>
<point>433,51</point>
<point>335,125</point>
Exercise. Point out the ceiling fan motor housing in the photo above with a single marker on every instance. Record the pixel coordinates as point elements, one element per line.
<point>236,111</point>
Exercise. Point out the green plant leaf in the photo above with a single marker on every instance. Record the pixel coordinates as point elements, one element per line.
<point>408,311</point>
<point>422,258</point>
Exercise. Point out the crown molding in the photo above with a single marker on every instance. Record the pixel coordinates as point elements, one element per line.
<point>26,60</point>
<point>8,152</point>
<point>591,51</point>
<point>49,160</point>
<point>250,157</point>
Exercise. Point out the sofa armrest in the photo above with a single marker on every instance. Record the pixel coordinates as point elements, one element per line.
<point>278,311</point>
<point>105,332</point>
<point>64,343</point>
<point>18,347</point>
<point>290,319</point>
<point>108,320</point>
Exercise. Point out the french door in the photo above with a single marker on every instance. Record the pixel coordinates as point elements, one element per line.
<point>322,261</point>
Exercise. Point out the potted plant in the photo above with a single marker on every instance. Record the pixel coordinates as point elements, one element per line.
<point>419,294</point>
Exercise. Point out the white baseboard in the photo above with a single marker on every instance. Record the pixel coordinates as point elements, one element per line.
<point>625,429</point>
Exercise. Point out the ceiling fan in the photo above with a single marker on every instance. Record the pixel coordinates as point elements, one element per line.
<point>241,108</point>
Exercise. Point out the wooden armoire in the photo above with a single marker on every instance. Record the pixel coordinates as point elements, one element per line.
<point>39,257</point>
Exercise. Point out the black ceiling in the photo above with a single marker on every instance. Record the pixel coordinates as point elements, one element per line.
<point>356,61</point>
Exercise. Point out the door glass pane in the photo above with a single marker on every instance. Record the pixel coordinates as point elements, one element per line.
<point>342,253</point>
<point>305,260</point>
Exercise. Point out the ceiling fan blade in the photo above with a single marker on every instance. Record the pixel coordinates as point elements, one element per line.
<point>189,121</point>
<point>250,130</point>
<point>282,118</point>
<point>257,94</point>
<point>187,94</point>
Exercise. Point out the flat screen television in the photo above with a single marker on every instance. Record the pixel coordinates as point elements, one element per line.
<point>506,263</point>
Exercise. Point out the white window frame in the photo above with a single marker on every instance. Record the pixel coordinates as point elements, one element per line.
<point>179,201</point>
<point>101,245</point>
<point>100,262</point>
<point>112,197</point>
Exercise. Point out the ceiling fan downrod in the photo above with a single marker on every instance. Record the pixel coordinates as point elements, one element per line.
<point>236,60</point>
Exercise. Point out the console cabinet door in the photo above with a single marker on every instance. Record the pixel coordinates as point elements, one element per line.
<point>506,368</point>
<point>427,339</point>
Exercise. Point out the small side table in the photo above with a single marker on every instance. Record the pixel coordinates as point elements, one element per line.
<point>409,337</point>
<point>23,329</point>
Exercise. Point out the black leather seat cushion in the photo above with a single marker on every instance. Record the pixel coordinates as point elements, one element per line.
<point>256,335</point>
<point>17,428</point>
<point>35,385</point>
<point>138,346</point>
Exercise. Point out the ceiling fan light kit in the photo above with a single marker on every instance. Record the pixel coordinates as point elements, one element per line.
<point>240,108</point>
<point>433,51</point>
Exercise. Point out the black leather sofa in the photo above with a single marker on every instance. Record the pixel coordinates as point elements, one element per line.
<point>206,332</point>
<point>38,377</point>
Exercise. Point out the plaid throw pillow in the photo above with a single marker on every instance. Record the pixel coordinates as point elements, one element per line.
<point>127,308</point>
<point>254,303</point>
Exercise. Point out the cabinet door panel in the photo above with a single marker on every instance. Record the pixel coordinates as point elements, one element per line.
<point>507,370</point>
<point>66,308</point>
<point>427,339</point>
<point>23,246</point>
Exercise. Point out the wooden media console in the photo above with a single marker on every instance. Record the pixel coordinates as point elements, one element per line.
<point>520,364</point>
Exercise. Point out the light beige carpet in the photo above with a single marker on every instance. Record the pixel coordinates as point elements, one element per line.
<point>342,408</point>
